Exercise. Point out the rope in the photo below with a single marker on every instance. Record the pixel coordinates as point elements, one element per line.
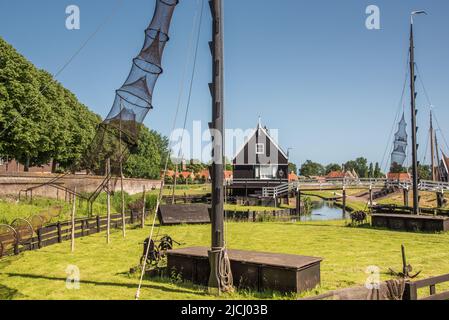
<point>167,161</point>
<point>69,61</point>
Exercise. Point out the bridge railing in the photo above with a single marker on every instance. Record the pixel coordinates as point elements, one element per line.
<point>424,185</point>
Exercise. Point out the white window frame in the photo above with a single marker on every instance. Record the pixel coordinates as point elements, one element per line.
<point>260,146</point>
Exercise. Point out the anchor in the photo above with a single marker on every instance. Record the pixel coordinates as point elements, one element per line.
<point>407,269</point>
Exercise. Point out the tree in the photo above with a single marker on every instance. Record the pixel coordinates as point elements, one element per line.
<point>424,172</point>
<point>359,165</point>
<point>292,168</point>
<point>40,120</point>
<point>148,160</point>
<point>371,170</point>
<point>310,168</point>
<point>377,171</point>
<point>332,167</point>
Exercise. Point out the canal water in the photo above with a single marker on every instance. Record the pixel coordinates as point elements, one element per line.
<point>324,210</point>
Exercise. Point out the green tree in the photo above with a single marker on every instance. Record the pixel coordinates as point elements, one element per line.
<point>371,171</point>
<point>359,165</point>
<point>332,167</point>
<point>310,168</point>
<point>148,160</point>
<point>424,172</point>
<point>377,171</point>
<point>292,168</point>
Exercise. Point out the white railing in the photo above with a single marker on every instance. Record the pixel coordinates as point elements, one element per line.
<point>424,185</point>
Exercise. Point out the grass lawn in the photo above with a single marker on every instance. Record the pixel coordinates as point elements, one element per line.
<point>347,253</point>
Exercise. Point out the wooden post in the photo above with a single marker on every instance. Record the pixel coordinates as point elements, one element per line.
<point>39,238</point>
<point>108,203</point>
<point>371,196</point>
<point>59,233</point>
<point>344,200</point>
<point>73,222</point>
<point>123,202</point>
<point>298,202</point>
<point>143,208</point>
<point>406,203</point>
<point>98,224</point>
<point>440,199</point>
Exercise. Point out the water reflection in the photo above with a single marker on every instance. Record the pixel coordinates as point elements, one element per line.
<point>322,211</point>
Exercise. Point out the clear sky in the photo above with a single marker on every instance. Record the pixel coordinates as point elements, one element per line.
<point>309,68</point>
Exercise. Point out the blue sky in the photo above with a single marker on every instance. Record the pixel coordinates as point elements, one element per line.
<point>309,68</point>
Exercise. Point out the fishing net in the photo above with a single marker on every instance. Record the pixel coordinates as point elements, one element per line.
<point>36,222</point>
<point>24,230</point>
<point>7,239</point>
<point>399,153</point>
<point>117,136</point>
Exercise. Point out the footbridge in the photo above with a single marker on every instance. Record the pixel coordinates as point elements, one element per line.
<point>340,184</point>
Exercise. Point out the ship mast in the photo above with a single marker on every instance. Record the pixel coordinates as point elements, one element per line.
<point>413,113</point>
<point>217,124</point>
<point>432,148</point>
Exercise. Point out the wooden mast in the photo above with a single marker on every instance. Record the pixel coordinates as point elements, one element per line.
<point>217,124</point>
<point>432,148</point>
<point>413,114</point>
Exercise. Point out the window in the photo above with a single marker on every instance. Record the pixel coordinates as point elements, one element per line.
<point>266,172</point>
<point>260,148</point>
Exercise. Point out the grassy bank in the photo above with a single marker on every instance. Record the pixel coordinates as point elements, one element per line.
<point>347,253</point>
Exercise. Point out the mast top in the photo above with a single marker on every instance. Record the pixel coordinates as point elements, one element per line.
<point>415,13</point>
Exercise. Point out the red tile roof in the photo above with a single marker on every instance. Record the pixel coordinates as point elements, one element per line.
<point>399,176</point>
<point>293,177</point>
<point>228,174</point>
<point>336,175</point>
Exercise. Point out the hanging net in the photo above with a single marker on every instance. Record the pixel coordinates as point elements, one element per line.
<point>117,136</point>
<point>399,153</point>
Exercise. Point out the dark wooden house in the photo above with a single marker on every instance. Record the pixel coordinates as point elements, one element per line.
<point>259,163</point>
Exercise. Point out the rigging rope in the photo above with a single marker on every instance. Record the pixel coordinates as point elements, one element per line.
<point>200,3</point>
<point>384,163</point>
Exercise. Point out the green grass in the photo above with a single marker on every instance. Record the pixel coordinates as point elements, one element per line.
<point>10,209</point>
<point>347,253</point>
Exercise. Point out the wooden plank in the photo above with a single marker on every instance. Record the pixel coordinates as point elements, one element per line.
<point>431,281</point>
<point>437,297</point>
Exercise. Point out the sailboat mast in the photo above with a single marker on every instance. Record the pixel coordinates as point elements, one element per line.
<point>414,128</point>
<point>432,148</point>
<point>217,88</point>
<point>438,169</point>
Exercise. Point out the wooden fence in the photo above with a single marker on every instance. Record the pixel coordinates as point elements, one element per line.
<point>411,288</point>
<point>61,231</point>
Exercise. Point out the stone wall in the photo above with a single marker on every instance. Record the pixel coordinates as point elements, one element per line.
<point>13,184</point>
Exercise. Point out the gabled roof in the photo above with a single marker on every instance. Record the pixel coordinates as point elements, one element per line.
<point>403,176</point>
<point>262,129</point>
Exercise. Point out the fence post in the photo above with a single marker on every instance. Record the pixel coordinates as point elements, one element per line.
<point>98,224</point>
<point>59,232</point>
<point>142,223</point>
<point>73,222</point>
<point>39,238</point>
<point>16,247</point>
<point>411,292</point>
